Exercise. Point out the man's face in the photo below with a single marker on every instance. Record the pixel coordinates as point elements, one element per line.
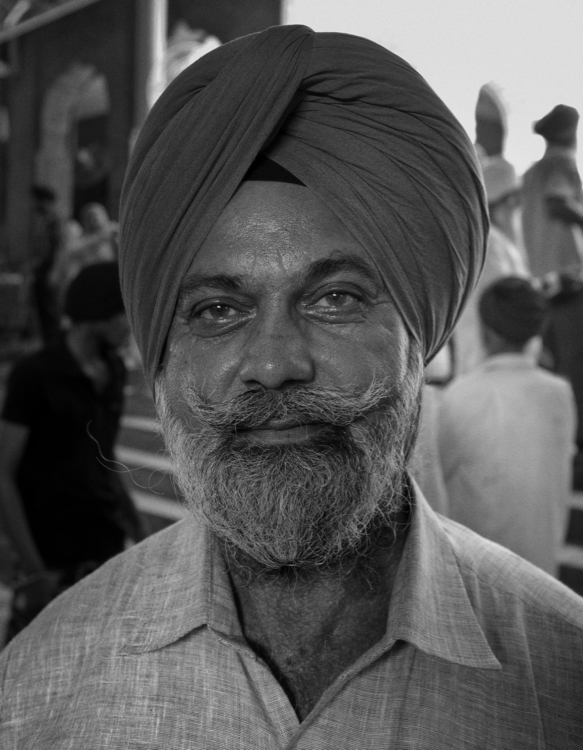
<point>289,387</point>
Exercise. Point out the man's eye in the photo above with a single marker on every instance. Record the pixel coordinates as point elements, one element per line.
<point>217,313</point>
<point>336,300</point>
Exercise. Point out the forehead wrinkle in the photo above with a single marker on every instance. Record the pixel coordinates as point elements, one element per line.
<point>222,281</point>
<point>340,262</point>
<point>316,271</point>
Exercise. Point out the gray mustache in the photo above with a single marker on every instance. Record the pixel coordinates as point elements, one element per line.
<point>298,404</point>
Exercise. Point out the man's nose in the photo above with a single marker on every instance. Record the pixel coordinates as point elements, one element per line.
<point>277,354</point>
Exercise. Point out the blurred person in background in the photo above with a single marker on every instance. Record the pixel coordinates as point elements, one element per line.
<point>506,433</point>
<point>65,509</point>
<point>91,240</point>
<point>46,239</point>
<point>563,349</point>
<point>552,197</point>
<point>503,257</point>
<point>100,234</point>
<point>65,267</point>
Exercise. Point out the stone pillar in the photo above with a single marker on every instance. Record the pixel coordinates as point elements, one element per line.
<point>150,51</point>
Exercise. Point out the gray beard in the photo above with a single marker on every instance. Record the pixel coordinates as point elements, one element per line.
<point>307,505</point>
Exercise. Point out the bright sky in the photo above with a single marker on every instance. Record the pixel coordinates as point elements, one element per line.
<point>532,50</point>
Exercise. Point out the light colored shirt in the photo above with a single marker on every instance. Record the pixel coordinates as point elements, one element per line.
<point>552,245</point>
<point>502,259</point>
<point>481,650</point>
<point>506,442</point>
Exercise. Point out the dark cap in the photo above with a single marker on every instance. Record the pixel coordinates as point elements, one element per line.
<point>513,308</point>
<point>561,120</point>
<point>94,294</point>
<point>265,169</point>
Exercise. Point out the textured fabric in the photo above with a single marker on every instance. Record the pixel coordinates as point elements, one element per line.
<point>551,244</point>
<point>355,123</point>
<point>506,440</point>
<point>482,650</point>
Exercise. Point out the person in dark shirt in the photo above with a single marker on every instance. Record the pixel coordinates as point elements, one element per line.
<point>563,343</point>
<point>65,509</point>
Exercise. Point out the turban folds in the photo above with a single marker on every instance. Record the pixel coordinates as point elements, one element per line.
<point>355,123</point>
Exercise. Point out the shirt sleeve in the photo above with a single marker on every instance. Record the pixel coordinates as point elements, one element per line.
<point>23,399</point>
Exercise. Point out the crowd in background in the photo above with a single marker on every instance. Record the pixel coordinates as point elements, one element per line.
<point>501,444</point>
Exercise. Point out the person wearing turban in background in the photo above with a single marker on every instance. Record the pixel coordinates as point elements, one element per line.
<point>552,198</point>
<point>64,509</point>
<point>507,433</point>
<point>302,221</point>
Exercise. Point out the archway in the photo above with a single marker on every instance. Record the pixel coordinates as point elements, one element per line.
<point>73,153</point>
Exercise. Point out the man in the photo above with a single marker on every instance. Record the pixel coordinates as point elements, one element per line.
<point>552,216</point>
<point>503,258</point>
<point>286,270</point>
<point>65,509</point>
<point>507,431</point>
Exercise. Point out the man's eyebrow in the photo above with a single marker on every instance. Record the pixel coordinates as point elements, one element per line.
<point>320,269</point>
<point>213,281</point>
<point>316,271</point>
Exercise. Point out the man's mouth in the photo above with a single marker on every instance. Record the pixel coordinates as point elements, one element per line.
<point>278,432</point>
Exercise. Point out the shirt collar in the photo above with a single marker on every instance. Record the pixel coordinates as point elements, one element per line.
<point>430,606</point>
<point>184,588</point>
<point>189,587</point>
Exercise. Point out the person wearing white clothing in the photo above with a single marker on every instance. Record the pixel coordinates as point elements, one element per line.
<point>503,257</point>
<point>506,433</point>
<point>552,217</point>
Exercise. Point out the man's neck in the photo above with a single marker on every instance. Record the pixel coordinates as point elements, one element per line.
<point>309,629</point>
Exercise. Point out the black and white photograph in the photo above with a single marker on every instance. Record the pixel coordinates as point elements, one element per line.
<point>291,375</point>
